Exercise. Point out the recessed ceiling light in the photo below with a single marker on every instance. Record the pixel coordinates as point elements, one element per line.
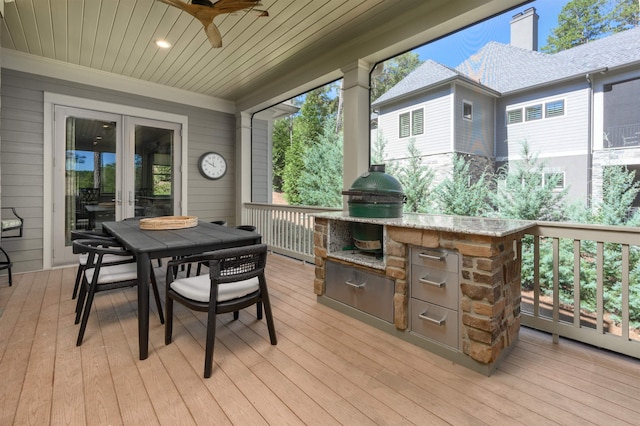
<point>163,44</point>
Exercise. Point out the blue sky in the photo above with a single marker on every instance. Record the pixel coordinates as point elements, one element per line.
<point>454,49</point>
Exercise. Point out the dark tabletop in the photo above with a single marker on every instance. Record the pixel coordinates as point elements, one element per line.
<point>204,237</point>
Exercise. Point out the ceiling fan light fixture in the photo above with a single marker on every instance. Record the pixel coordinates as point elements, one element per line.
<point>163,44</point>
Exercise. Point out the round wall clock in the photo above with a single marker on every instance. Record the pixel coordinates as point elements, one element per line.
<point>212,165</point>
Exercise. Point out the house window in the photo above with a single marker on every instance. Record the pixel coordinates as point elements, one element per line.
<point>417,121</point>
<point>557,177</point>
<point>533,112</point>
<point>554,109</point>
<point>467,110</point>
<point>412,123</point>
<point>514,116</point>
<point>404,125</point>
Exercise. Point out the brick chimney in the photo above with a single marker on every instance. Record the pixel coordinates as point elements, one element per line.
<point>524,29</point>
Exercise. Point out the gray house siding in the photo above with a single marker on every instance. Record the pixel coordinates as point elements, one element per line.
<point>22,159</point>
<point>564,135</point>
<point>259,160</point>
<point>474,136</point>
<point>437,135</point>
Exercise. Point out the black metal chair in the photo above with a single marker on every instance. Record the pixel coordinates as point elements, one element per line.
<point>215,222</point>
<point>246,227</point>
<point>236,281</point>
<point>101,276</point>
<point>82,260</point>
<point>11,227</point>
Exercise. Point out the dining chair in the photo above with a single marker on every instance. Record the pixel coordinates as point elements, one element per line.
<point>82,259</point>
<point>236,280</point>
<point>102,276</point>
<point>12,225</point>
<point>246,227</point>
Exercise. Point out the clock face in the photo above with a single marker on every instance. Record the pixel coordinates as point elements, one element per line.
<point>212,165</point>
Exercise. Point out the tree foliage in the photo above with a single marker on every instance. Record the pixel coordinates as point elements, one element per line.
<point>579,22</point>
<point>395,69</point>
<point>625,15</point>
<point>522,194</point>
<point>282,139</point>
<point>320,183</point>
<point>462,193</point>
<point>416,179</point>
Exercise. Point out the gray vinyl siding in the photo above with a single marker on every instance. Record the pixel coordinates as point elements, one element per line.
<point>476,136</point>
<point>22,160</point>
<point>564,135</point>
<point>436,138</point>
<point>260,181</point>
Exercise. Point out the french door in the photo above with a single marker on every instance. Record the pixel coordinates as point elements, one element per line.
<point>110,167</point>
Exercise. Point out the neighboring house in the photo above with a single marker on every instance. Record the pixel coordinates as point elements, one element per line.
<point>579,109</point>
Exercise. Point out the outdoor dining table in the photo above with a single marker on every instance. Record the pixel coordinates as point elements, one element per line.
<point>155,244</point>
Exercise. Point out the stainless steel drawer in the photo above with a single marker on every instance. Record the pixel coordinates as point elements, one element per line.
<point>435,285</point>
<point>363,290</point>
<point>435,259</point>
<point>435,322</point>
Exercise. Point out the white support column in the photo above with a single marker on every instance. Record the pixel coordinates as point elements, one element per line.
<point>243,164</point>
<point>356,122</point>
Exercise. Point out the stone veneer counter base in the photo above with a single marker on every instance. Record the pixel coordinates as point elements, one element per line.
<point>487,316</point>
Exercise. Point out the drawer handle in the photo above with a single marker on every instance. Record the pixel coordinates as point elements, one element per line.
<point>424,280</point>
<point>432,257</point>
<point>349,283</point>
<point>440,322</point>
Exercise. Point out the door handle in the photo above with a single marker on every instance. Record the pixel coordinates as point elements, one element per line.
<point>118,199</point>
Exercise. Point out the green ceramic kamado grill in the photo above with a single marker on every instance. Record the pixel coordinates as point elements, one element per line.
<point>374,194</point>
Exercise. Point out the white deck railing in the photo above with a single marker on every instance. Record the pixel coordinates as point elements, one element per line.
<point>568,250</point>
<point>610,253</point>
<point>286,230</point>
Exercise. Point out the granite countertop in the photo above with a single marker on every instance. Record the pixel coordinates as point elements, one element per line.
<point>467,225</point>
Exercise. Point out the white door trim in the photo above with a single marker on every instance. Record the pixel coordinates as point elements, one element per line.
<point>52,99</point>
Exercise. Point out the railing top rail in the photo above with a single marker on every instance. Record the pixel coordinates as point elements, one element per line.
<point>582,231</point>
<point>292,208</point>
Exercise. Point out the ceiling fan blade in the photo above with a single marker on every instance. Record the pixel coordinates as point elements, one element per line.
<point>213,34</point>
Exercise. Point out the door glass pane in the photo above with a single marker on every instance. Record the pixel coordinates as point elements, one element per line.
<point>153,171</point>
<point>90,175</point>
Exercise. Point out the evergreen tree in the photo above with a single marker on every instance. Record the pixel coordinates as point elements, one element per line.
<point>522,194</point>
<point>416,180</point>
<point>463,194</point>
<point>320,183</point>
<point>579,22</point>
<point>618,193</point>
<point>625,15</point>
<point>282,139</point>
<point>294,166</point>
<point>395,69</point>
<point>377,150</point>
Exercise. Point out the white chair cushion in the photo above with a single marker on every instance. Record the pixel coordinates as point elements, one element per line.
<point>114,274</point>
<point>11,224</point>
<point>107,258</point>
<point>198,288</point>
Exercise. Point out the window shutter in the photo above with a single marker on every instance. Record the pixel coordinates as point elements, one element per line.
<point>418,121</point>
<point>514,116</point>
<point>404,125</point>
<point>554,109</point>
<point>533,113</point>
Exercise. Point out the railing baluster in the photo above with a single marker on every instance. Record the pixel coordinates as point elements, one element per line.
<point>625,292</point>
<point>600,288</point>
<point>576,283</point>
<point>556,286</point>
<point>536,276</point>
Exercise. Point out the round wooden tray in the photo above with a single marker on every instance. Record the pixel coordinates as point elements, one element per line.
<point>168,222</point>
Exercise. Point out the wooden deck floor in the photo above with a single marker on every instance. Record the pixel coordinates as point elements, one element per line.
<point>326,369</point>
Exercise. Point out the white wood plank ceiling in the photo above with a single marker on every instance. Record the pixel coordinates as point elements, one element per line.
<point>117,36</point>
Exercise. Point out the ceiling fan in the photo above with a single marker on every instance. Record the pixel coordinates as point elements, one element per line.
<point>205,11</point>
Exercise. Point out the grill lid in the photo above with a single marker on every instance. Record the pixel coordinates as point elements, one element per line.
<point>375,186</point>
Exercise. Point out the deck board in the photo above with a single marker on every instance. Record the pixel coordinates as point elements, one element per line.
<point>327,368</point>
